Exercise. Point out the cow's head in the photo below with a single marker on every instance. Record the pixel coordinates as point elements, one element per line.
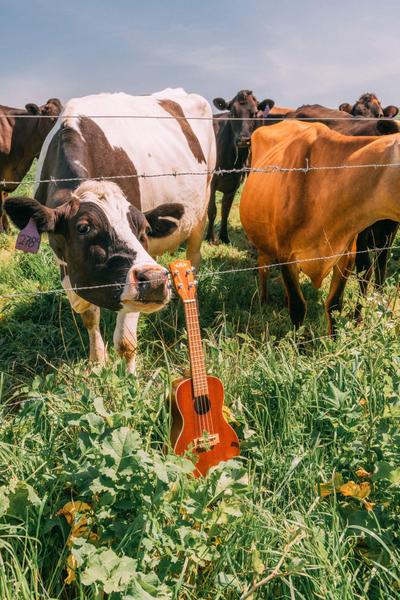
<point>244,108</point>
<point>368,105</point>
<point>51,109</point>
<point>103,240</point>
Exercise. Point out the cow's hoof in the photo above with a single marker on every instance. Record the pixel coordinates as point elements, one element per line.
<point>213,241</point>
<point>225,240</point>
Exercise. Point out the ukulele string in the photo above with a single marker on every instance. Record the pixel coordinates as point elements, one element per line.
<point>189,324</point>
<point>200,403</point>
<point>206,404</point>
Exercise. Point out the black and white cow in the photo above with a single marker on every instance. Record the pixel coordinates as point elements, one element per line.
<point>106,233</point>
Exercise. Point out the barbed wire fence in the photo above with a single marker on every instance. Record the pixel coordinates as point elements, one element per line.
<point>267,169</point>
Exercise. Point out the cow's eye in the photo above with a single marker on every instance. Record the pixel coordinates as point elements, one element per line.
<point>83,228</point>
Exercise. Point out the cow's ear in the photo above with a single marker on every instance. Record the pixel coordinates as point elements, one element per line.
<point>387,127</point>
<point>390,111</point>
<point>32,109</point>
<point>164,219</point>
<point>346,107</point>
<point>221,104</point>
<point>266,103</point>
<point>21,210</point>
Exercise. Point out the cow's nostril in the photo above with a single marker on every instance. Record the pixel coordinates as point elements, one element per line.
<point>142,276</point>
<point>153,277</point>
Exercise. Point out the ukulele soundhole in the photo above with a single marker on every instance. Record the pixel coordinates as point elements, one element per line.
<point>202,405</point>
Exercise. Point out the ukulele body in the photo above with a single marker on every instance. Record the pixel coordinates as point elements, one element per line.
<point>220,441</point>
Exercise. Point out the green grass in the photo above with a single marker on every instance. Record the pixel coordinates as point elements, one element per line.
<point>305,414</point>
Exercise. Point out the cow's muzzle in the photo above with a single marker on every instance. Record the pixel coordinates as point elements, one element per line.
<point>146,289</point>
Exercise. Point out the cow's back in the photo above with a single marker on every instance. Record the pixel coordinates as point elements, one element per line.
<point>151,136</point>
<point>277,207</point>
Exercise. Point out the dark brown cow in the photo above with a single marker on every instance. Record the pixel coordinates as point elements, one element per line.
<point>368,105</point>
<point>233,143</point>
<point>21,139</point>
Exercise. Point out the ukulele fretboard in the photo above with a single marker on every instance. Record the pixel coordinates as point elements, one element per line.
<point>197,363</point>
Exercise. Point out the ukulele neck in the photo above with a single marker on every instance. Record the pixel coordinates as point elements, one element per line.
<point>197,362</point>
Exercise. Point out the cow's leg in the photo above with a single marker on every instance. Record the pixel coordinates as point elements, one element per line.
<point>363,268</point>
<point>212,213</point>
<point>389,230</point>
<point>263,272</point>
<point>194,243</point>
<point>125,338</point>
<point>4,222</point>
<point>91,319</point>
<point>334,301</point>
<point>296,302</point>
<point>227,201</point>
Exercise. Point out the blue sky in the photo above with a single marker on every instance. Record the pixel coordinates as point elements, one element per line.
<point>294,51</point>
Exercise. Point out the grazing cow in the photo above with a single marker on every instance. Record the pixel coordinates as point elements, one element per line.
<point>382,233</point>
<point>106,233</point>
<point>21,138</point>
<point>368,105</point>
<point>233,143</point>
<point>296,217</point>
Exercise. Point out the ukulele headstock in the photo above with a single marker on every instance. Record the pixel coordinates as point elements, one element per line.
<point>183,275</point>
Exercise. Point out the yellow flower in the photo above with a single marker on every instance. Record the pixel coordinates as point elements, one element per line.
<point>356,490</point>
<point>362,473</point>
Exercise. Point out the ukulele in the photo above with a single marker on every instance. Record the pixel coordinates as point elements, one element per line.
<point>198,423</point>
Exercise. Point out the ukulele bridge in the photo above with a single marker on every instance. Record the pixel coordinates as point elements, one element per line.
<point>202,444</point>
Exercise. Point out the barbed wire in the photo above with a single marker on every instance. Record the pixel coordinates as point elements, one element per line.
<point>219,116</point>
<point>268,169</point>
<point>200,275</point>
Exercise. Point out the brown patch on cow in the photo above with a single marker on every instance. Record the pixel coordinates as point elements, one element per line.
<point>126,348</point>
<point>68,156</point>
<point>106,160</point>
<point>174,109</point>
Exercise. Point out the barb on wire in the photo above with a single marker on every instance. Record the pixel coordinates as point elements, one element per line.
<point>200,275</point>
<point>267,169</point>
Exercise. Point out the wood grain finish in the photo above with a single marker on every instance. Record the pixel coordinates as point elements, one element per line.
<point>188,426</point>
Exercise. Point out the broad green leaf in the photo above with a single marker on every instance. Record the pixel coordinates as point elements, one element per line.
<point>21,499</point>
<point>387,471</point>
<point>99,406</point>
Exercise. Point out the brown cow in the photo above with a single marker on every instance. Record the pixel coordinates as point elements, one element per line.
<point>303,215</point>
<point>382,233</point>
<point>21,139</point>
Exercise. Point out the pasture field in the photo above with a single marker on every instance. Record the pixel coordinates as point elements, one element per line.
<point>311,508</point>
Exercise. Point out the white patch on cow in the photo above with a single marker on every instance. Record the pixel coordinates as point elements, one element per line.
<point>125,337</point>
<point>109,197</point>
